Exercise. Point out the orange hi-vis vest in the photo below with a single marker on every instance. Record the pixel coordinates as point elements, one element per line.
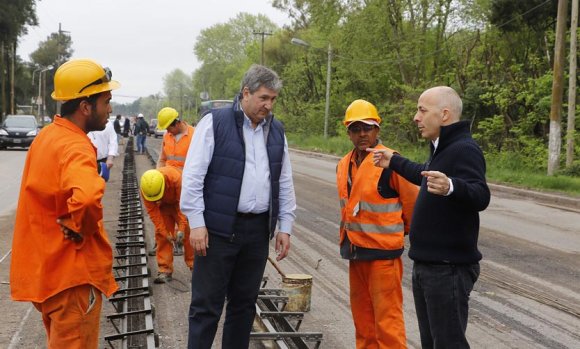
<point>60,181</point>
<point>176,150</point>
<point>370,220</point>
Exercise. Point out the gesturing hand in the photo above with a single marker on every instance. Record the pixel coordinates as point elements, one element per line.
<point>381,157</point>
<point>437,182</point>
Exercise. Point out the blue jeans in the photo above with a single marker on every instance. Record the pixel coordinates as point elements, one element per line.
<point>141,143</point>
<point>233,268</point>
<point>441,293</point>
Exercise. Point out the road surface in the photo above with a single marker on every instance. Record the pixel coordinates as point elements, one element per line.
<point>528,294</point>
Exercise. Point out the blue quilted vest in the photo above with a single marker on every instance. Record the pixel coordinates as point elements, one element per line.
<point>223,181</point>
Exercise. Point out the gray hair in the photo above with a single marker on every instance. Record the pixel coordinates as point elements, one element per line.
<point>258,76</point>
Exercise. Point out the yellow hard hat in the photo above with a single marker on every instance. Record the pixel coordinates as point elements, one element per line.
<point>361,110</point>
<point>165,117</point>
<point>81,78</point>
<point>152,185</point>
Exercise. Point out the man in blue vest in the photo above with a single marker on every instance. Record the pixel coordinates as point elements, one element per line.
<point>236,186</point>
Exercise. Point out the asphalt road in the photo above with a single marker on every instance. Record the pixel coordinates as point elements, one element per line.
<point>528,295</point>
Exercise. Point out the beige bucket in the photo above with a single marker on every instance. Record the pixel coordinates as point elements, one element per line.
<point>298,288</point>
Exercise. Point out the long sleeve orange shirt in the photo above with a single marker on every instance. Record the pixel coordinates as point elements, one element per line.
<point>60,180</point>
<point>169,203</point>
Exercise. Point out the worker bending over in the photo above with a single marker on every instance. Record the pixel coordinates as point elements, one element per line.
<point>161,190</point>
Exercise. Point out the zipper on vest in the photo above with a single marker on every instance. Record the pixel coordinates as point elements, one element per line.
<point>232,238</point>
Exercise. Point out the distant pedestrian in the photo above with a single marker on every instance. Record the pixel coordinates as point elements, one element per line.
<point>141,129</point>
<point>62,259</point>
<point>117,127</point>
<point>445,224</point>
<point>127,127</point>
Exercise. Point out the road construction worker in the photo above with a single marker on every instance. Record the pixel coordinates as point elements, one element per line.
<point>176,140</point>
<point>175,145</point>
<point>161,190</point>
<point>376,209</point>
<point>61,255</point>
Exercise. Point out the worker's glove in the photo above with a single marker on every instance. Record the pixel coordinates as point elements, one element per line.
<point>103,171</point>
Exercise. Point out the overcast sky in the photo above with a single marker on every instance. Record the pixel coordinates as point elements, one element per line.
<point>140,40</point>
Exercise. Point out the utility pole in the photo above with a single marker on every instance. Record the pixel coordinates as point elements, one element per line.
<point>555,141</point>
<point>59,41</point>
<point>12,104</point>
<point>262,34</point>
<point>572,86</point>
<point>3,79</point>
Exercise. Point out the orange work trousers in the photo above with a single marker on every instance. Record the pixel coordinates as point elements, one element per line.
<point>71,318</point>
<point>165,245</point>
<point>376,300</point>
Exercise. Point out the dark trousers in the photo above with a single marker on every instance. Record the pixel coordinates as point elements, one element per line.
<point>233,268</point>
<point>441,294</point>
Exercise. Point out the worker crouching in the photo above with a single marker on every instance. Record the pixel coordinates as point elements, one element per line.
<point>161,190</point>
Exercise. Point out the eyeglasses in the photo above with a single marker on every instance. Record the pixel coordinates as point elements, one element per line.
<point>361,127</point>
<point>106,78</point>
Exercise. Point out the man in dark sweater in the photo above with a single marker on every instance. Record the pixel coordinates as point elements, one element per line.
<point>445,224</point>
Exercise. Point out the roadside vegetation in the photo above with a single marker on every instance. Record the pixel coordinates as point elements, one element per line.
<point>502,168</point>
<point>498,55</point>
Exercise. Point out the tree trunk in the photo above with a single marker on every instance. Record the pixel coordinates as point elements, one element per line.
<point>572,86</point>
<point>555,141</point>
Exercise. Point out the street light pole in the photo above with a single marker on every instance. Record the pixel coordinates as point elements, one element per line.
<point>40,99</point>
<point>303,43</point>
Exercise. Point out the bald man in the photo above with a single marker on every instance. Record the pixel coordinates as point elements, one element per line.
<point>445,224</point>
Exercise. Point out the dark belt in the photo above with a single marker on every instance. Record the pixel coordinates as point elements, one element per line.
<point>250,214</point>
<point>102,160</point>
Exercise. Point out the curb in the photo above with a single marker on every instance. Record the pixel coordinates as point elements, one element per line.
<point>555,199</point>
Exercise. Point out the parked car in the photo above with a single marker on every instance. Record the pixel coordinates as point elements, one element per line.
<point>152,127</point>
<point>18,131</point>
<point>159,133</point>
<point>207,106</point>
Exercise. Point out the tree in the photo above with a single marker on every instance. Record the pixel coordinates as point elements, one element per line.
<point>14,16</point>
<point>223,50</point>
<point>54,51</point>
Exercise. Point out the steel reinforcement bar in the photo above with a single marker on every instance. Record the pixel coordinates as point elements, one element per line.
<point>133,320</point>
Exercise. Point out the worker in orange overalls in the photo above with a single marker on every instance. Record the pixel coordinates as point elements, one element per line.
<point>161,191</point>
<point>61,256</point>
<point>176,140</point>
<point>376,209</point>
<point>174,149</point>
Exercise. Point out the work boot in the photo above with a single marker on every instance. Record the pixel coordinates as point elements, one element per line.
<point>163,278</point>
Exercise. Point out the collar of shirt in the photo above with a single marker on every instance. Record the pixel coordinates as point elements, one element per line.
<point>435,143</point>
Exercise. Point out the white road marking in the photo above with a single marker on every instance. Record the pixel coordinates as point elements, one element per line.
<point>16,336</point>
